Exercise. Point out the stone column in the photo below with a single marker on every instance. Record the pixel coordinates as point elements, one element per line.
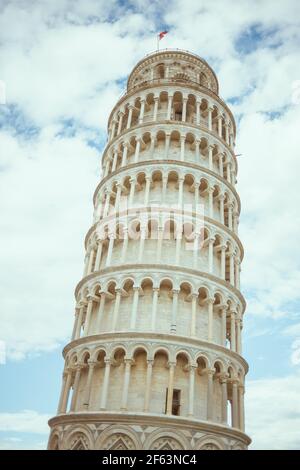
<point>168,136</point>
<point>210,303</point>
<point>66,392</point>
<point>210,110</point>
<point>141,116</point>
<point>75,388</point>
<point>79,322</point>
<point>103,402</point>
<point>142,243</point>
<point>137,150</point>
<point>223,324</point>
<point>180,191</point>
<point>220,126</point>
<point>184,103</point>
<point>227,133</point>
<point>223,261</point>
<point>195,250</point>
<point>221,200</point>
<point>238,336</point>
<point>116,309</point>
<point>182,147</point>
<point>241,391</point>
<point>91,259</point>
<point>196,188</point>
<point>228,172</point>
<point>232,332</point>
<point>155,108</point>
<point>132,182</point>
<point>231,260</point>
<point>210,157</point>
<point>128,363</point>
<point>107,202</point>
<point>160,235</point>
<point>98,254</point>
<point>77,309</point>
<point>170,99</point>
<point>88,387</point>
<point>211,202</point>
<point>198,104</point>
<point>210,393</point>
<point>223,382</point>
<point>178,247</point>
<point>148,385</point>
<point>147,190</point>
<point>100,312</point>
<point>152,145</point>
<point>192,370</point>
<point>194,311</point>
<point>235,221</point>
<point>63,386</point>
<point>164,188</point>
<point>172,366</point>
<point>124,155</point>
<point>86,262</point>
<point>221,164</point>
<point>115,159</point>
<point>174,311</point>
<point>237,273</point>
<point>88,316</point>
<point>120,122</point>
<point>211,242</point>
<point>125,245</point>
<point>134,307</point>
<point>113,129</point>
<point>234,408</point>
<point>107,165</point>
<point>130,110</point>
<point>230,208</point>
<point>197,150</point>
<point>154,307</point>
<point>110,249</point>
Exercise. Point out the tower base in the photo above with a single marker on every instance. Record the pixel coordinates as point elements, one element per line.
<point>134,431</point>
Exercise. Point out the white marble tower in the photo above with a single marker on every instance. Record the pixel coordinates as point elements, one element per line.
<point>155,360</point>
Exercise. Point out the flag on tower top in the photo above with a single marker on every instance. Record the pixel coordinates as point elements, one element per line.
<point>162,34</point>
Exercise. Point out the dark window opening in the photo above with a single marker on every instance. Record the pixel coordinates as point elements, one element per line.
<point>175,402</point>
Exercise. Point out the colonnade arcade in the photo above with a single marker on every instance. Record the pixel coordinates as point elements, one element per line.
<point>211,389</point>
<point>160,304</point>
<point>185,190</point>
<point>172,105</point>
<point>185,144</point>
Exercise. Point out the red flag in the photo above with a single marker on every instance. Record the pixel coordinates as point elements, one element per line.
<point>162,34</point>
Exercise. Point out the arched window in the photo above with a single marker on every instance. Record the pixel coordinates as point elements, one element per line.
<point>203,79</point>
<point>160,71</point>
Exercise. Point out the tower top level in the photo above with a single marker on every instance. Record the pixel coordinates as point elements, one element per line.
<point>173,65</point>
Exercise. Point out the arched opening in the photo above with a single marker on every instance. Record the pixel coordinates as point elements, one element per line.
<point>160,380</point>
<point>114,397</point>
<point>137,386</point>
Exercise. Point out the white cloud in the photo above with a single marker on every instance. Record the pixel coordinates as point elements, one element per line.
<point>273,413</point>
<point>25,421</point>
<point>24,430</point>
<point>46,194</point>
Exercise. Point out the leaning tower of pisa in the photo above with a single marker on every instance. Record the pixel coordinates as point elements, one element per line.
<point>155,358</point>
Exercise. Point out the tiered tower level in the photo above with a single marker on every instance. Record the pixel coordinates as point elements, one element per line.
<point>155,360</point>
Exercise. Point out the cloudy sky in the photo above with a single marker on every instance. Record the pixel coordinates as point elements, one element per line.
<point>63,65</point>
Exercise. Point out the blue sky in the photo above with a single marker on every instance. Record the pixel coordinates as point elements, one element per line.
<point>64,65</point>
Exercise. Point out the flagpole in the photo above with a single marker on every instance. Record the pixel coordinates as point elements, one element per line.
<point>157,42</point>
